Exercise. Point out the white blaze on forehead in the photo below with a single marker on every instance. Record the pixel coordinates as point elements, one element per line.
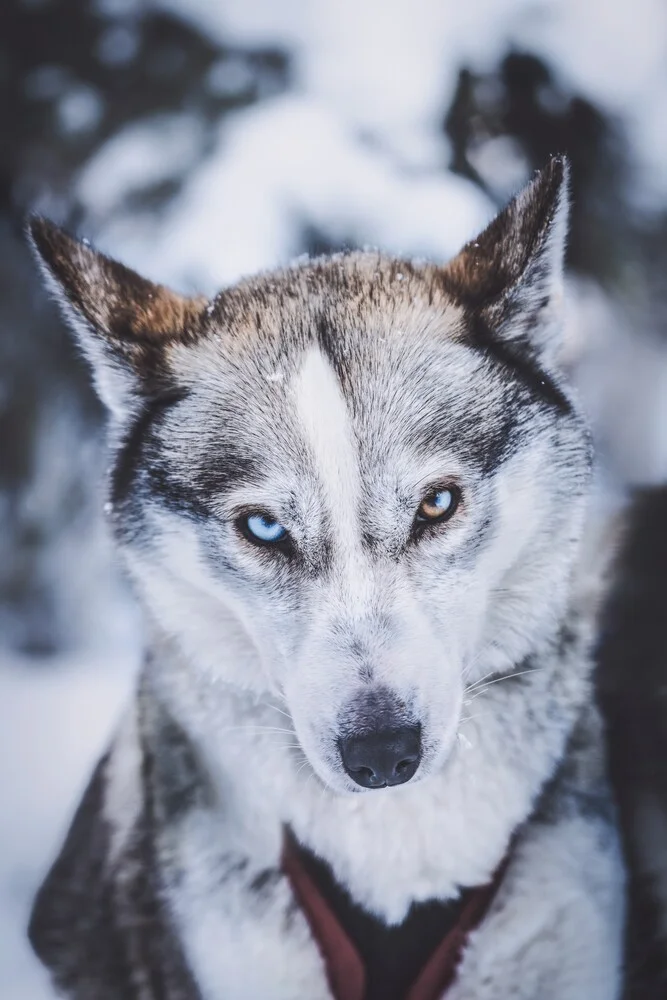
<point>325,419</point>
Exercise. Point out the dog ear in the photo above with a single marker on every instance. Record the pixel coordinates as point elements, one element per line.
<point>511,276</point>
<point>124,322</point>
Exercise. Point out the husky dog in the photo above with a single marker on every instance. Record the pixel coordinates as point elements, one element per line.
<point>351,496</point>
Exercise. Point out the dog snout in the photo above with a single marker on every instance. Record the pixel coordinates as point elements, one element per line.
<point>384,757</point>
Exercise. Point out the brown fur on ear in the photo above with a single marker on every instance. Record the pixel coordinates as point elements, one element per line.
<point>112,298</point>
<point>518,240</point>
<point>125,324</point>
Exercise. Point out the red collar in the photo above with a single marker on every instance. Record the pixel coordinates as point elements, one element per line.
<point>344,966</point>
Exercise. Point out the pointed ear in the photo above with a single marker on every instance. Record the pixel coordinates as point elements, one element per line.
<point>511,276</point>
<point>124,322</point>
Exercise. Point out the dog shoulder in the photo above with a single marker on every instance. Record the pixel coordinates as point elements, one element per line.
<point>98,922</point>
<point>72,925</point>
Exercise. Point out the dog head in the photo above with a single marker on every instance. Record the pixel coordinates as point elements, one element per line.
<point>357,482</point>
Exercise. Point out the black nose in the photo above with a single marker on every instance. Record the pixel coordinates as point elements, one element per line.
<point>385,757</point>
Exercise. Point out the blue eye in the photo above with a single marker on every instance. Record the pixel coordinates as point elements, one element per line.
<point>262,528</point>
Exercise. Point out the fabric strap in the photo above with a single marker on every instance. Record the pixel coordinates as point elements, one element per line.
<point>344,966</point>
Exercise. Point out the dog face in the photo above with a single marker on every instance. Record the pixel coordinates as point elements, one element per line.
<point>356,484</point>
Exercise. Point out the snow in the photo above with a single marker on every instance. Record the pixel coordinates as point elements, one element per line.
<point>390,67</point>
<point>140,155</point>
<point>620,371</point>
<point>117,46</point>
<point>275,167</point>
<point>54,722</point>
<point>79,109</point>
<point>615,54</point>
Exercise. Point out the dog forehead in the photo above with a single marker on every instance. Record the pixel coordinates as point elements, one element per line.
<point>354,297</point>
<point>363,311</point>
<point>362,340</point>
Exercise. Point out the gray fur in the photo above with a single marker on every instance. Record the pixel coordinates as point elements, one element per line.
<point>336,394</point>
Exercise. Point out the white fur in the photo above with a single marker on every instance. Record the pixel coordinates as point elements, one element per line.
<point>325,421</point>
<point>555,929</point>
<point>123,794</point>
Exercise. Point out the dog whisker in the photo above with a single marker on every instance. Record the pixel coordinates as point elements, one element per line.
<point>474,691</point>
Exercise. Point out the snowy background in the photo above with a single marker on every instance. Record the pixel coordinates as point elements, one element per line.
<point>199,140</point>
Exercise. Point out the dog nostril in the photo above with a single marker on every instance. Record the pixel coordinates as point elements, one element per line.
<point>381,758</point>
<point>364,772</point>
<point>367,777</point>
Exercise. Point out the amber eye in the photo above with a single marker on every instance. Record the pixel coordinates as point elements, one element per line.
<point>438,506</point>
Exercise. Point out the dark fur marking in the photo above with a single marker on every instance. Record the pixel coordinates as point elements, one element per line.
<point>488,443</point>
<point>142,456</point>
<point>518,360</point>
<point>326,338</point>
<point>562,797</point>
<point>332,345</point>
<point>225,467</point>
<point>179,780</point>
<point>519,674</point>
<point>265,880</point>
<point>469,552</point>
<point>72,926</point>
<point>138,446</point>
<point>377,708</point>
<point>104,932</point>
<point>485,440</point>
